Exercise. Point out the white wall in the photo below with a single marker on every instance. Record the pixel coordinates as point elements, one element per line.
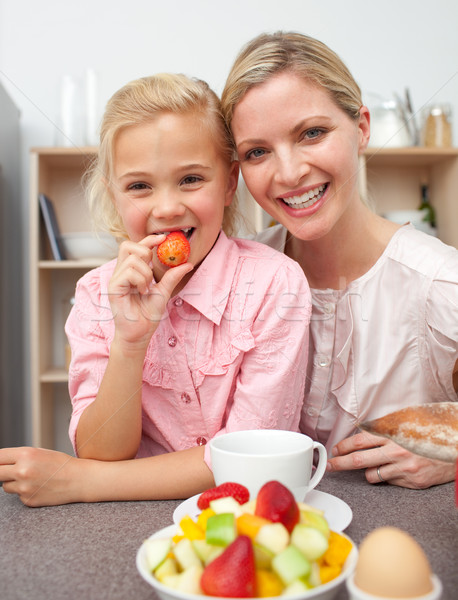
<point>388,45</point>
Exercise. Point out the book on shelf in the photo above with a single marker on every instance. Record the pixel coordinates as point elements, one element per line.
<point>52,227</point>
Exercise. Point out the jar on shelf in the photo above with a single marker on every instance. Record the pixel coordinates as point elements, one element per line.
<point>437,126</point>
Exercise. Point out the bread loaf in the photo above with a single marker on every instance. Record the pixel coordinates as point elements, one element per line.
<point>430,430</point>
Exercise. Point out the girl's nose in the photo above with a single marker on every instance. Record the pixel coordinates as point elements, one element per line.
<point>290,168</point>
<point>167,206</point>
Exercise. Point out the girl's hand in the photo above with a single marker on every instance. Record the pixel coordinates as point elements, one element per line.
<point>137,304</point>
<point>42,477</point>
<point>396,465</point>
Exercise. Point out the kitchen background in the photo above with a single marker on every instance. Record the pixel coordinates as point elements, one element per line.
<point>98,45</point>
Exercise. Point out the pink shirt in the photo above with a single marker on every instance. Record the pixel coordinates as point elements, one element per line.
<point>229,354</point>
<point>387,341</point>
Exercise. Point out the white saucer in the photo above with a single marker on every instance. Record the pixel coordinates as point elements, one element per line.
<point>337,512</point>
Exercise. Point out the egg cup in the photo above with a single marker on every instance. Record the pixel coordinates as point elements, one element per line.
<point>355,593</point>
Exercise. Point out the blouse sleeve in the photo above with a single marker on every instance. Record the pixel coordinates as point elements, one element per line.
<point>441,331</point>
<point>269,389</point>
<point>87,329</point>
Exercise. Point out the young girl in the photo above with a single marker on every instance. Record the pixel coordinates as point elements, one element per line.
<point>164,359</point>
<point>385,298</point>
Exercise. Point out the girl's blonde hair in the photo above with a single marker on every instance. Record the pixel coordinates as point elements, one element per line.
<point>138,102</point>
<point>270,54</point>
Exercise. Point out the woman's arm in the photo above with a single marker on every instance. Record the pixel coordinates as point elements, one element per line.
<point>110,427</point>
<point>46,477</point>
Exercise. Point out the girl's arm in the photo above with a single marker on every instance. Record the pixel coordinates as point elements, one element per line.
<point>46,477</point>
<point>110,427</point>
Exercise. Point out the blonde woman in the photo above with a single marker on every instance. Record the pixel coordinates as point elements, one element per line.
<point>384,328</point>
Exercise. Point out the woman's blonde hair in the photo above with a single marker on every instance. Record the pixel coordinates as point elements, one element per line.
<point>270,54</point>
<point>138,102</point>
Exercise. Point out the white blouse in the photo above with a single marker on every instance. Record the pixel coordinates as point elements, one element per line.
<point>387,341</point>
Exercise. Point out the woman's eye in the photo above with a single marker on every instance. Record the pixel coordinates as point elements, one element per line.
<point>255,153</point>
<point>313,133</point>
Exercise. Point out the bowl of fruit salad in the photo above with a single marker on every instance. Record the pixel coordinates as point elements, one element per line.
<point>235,547</point>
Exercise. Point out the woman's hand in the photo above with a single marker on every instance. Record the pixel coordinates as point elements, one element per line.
<point>42,477</point>
<point>383,459</point>
<point>137,304</point>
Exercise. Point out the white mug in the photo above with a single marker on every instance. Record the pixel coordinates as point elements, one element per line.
<point>255,457</point>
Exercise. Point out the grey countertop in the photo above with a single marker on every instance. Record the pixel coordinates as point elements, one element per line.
<point>88,551</point>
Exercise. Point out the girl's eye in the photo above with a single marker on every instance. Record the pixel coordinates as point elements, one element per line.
<point>190,179</point>
<point>255,153</point>
<point>137,186</point>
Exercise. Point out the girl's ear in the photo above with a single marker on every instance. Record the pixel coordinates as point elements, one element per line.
<point>232,181</point>
<point>364,128</point>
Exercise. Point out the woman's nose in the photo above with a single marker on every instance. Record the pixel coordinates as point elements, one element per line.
<point>290,168</point>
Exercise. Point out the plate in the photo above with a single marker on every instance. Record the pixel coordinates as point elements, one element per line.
<point>337,512</point>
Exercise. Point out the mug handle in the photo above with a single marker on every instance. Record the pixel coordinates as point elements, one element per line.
<point>321,466</point>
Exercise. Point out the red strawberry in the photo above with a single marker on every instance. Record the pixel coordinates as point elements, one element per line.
<point>174,250</point>
<point>232,574</point>
<point>276,503</point>
<point>236,490</point>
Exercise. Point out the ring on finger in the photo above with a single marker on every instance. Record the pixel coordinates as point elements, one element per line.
<point>379,476</point>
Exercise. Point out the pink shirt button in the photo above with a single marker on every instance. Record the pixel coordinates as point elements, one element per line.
<point>186,398</point>
<point>178,301</point>
<point>201,441</point>
<point>172,341</point>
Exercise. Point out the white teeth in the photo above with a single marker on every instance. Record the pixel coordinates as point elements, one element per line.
<point>186,230</point>
<point>306,199</point>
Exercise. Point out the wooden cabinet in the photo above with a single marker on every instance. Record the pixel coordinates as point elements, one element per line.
<point>56,172</point>
<point>390,179</point>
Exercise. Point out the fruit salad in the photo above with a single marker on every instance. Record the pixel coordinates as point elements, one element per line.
<point>242,548</point>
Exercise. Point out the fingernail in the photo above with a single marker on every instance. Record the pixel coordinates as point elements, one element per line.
<point>328,466</point>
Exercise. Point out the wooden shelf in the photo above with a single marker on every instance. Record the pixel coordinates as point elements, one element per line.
<point>70,264</point>
<point>56,375</point>
<point>57,173</point>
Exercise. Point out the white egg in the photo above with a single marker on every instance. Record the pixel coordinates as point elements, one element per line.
<point>392,564</point>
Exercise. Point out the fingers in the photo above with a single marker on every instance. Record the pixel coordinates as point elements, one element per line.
<point>133,269</point>
<point>359,441</point>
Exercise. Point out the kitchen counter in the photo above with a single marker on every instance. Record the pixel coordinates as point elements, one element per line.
<point>88,551</point>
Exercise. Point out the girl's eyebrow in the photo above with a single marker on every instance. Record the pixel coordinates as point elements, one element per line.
<point>185,167</point>
<point>133,174</point>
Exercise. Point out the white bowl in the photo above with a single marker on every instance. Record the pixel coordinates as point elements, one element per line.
<point>86,244</point>
<point>355,593</point>
<point>327,591</point>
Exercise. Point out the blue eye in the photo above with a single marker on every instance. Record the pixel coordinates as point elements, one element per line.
<point>313,133</point>
<point>255,153</point>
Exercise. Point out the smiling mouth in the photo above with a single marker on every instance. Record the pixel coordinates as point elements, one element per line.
<point>187,232</point>
<point>306,200</point>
